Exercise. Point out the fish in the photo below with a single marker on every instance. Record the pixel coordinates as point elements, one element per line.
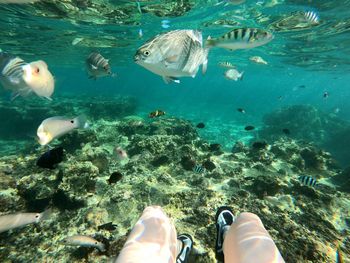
<point>241,38</point>
<point>307,180</point>
<point>115,177</point>
<point>165,24</point>
<point>23,79</point>
<point>214,147</point>
<point>336,110</point>
<point>325,95</point>
<point>301,86</point>
<point>77,40</point>
<point>200,125</point>
<point>50,158</point>
<point>258,60</point>
<point>312,17</point>
<point>174,54</point>
<point>11,221</point>
<point>198,169</point>
<point>18,1</point>
<point>84,241</point>
<point>156,113</point>
<point>140,33</point>
<point>55,127</point>
<point>226,65</point>
<point>233,74</point>
<point>286,131</point>
<point>108,226</point>
<point>120,153</point>
<point>249,128</point>
<point>241,110</point>
<point>97,66</point>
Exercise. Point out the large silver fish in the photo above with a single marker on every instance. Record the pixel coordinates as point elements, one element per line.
<point>25,78</point>
<point>97,66</point>
<point>12,221</point>
<point>241,38</point>
<point>177,53</point>
<point>55,127</point>
<point>84,241</point>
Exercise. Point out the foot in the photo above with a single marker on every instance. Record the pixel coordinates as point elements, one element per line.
<point>187,244</point>
<point>224,218</point>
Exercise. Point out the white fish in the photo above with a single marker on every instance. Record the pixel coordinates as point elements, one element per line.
<point>97,66</point>
<point>140,33</point>
<point>12,221</point>
<point>55,127</point>
<point>241,38</point>
<point>18,1</point>
<point>84,241</point>
<point>258,60</point>
<point>226,65</point>
<point>24,78</point>
<point>177,53</point>
<point>233,74</point>
<point>77,40</point>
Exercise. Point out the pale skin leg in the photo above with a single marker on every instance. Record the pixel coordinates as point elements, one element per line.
<point>152,240</point>
<point>248,241</point>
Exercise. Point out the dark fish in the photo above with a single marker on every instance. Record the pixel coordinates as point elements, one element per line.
<point>325,95</point>
<point>249,128</point>
<point>156,113</point>
<point>115,177</point>
<point>307,180</point>
<point>198,169</point>
<point>51,158</point>
<point>200,125</point>
<point>108,226</point>
<point>214,147</point>
<point>259,145</point>
<point>302,86</point>
<point>241,110</point>
<point>286,131</point>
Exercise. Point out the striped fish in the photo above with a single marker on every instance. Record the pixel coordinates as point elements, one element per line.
<point>97,66</point>
<point>174,54</point>
<point>11,68</point>
<point>307,180</point>
<point>241,38</point>
<point>312,17</point>
<point>156,113</point>
<point>198,169</point>
<point>226,65</point>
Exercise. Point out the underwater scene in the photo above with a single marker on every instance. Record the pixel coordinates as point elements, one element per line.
<point>187,113</point>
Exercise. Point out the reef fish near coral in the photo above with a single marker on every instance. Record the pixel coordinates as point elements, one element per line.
<point>55,127</point>
<point>12,221</point>
<point>156,113</point>
<point>50,158</point>
<point>241,38</point>
<point>198,169</point>
<point>177,53</point>
<point>307,180</point>
<point>23,78</point>
<point>84,241</point>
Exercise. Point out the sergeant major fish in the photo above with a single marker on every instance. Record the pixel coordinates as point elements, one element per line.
<point>84,241</point>
<point>97,66</point>
<point>24,78</point>
<point>177,53</point>
<point>226,65</point>
<point>12,221</point>
<point>307,180</point>
<point>55,127</point>
<point>241,38</point>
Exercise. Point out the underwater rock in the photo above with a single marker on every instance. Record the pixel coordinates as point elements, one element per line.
<point>265,186</point>
<point>187,163</point>
<point>238,147</point>
<point>161,160</point>
<point>312,159</point>
<point>342,180</point>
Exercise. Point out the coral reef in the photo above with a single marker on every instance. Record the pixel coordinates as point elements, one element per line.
<point>307,123</point>
<point>94,193</point>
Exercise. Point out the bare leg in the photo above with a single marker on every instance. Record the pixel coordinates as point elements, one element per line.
<point>248,241</point>
<point>152,240</point>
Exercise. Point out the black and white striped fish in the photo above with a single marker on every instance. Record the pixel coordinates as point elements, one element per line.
<point>312,17</point>
<point>198,169</point>
<point>97,66</point>
<point>11,69</point>
<point>241,38</point>
<point>307,180</point>
<point>174,54</point>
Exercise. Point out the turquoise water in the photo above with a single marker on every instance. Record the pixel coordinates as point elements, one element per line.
<point>64,33</point>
